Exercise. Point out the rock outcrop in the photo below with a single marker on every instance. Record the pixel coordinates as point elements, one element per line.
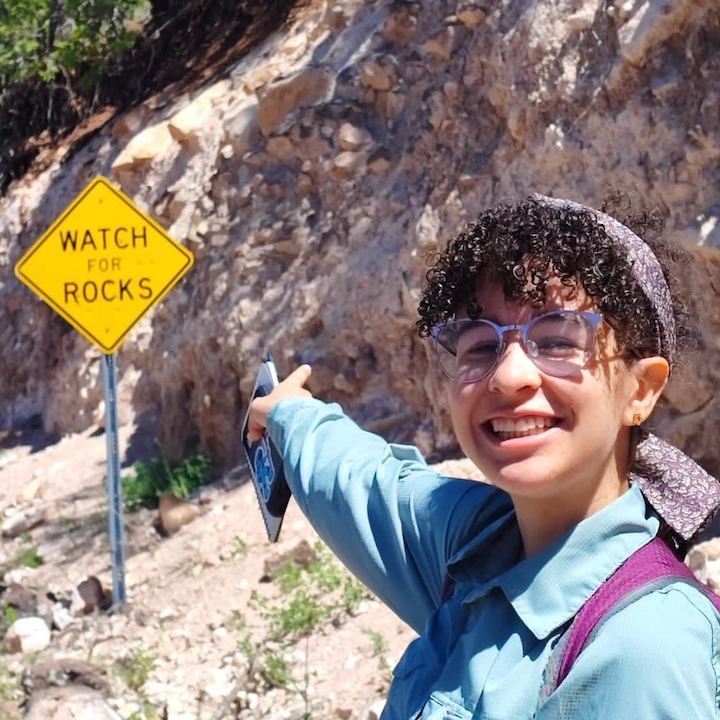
<point>312,181</point>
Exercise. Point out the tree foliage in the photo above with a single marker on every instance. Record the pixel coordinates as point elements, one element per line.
<point>64,40</point>
<point>63,60</point>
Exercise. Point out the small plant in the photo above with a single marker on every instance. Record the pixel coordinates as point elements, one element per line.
<point>28,557</point>
<point>245,645</point>
<point>150,480</point>
<point>325,572</point>
<point>380,648</point>
<point>289,576</point>
<point>135,669</point>
<point>240,547</point>
<point>187,477</point>
<point>146,712</point>
<point>378,642</point>
<point>302,614</point>
<point>10,689</point>
<point>354,592</point>
<point>275,671</point>
<point>8,617</point>
<point>310,598</point>
<point>238,619</point>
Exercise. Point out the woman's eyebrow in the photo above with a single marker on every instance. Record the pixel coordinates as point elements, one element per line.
<point>495,319</point>
<point>536,312</point>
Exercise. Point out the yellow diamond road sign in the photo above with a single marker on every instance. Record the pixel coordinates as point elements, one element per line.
<point>103,264</point>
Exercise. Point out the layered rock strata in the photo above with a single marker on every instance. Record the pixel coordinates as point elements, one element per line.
<point>312,181</point>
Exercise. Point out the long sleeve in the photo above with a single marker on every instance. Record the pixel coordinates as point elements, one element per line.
<point>388,517</point>
<point>657,658</point>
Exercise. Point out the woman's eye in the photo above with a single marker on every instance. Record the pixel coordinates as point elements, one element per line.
<point>556,345</point>
<point>478,350</point>
<point>556,342</point>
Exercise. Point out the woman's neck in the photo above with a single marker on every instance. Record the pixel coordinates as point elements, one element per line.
<point>543,521</point>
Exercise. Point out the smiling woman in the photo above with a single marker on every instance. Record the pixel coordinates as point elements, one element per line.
<point>557,328</point>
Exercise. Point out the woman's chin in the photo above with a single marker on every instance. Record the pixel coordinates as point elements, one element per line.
<point>524,479</point>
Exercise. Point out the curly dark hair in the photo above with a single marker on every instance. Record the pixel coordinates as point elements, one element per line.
<point>522,245</point>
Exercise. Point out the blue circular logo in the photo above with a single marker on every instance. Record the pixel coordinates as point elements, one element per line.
<point>264,470</point>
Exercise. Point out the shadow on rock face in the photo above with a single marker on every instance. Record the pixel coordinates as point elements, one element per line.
<point>30,432</point>
<point>142,444</point>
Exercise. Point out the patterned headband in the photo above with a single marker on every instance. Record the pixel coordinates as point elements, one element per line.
<point>682,493</point>
<point>644,267</point>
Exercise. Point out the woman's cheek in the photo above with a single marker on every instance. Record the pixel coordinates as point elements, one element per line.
<point>461,407</point>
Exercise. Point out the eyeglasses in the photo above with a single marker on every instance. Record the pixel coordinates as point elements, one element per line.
<point>559,343</point>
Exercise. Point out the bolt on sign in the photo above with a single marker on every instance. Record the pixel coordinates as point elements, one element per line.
<point>103,264</point>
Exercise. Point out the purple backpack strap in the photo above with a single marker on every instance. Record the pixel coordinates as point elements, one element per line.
<point>651,567</point>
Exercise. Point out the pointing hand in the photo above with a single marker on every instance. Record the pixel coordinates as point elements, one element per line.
<point>292,386</point>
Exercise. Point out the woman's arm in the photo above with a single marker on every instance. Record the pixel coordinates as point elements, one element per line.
<point>387,516</point>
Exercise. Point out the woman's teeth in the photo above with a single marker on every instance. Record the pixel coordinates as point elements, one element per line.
<point>506,428</point>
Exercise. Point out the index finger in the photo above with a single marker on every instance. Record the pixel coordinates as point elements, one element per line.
<point>299,376</point>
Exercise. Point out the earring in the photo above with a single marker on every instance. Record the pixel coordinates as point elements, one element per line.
<point>637,418</point>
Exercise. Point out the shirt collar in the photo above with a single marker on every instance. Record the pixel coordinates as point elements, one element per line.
<point>547,589</point>
<point>493,549</point>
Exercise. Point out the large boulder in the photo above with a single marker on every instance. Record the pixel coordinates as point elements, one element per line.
<point>28,634</point>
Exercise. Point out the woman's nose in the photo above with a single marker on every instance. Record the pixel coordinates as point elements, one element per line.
<point>514,371</point>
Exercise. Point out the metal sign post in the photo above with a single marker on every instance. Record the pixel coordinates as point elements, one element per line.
<point>114,487</point>
<point>102,265</point>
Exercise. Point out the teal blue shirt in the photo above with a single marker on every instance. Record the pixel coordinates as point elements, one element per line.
<point>401,527</point>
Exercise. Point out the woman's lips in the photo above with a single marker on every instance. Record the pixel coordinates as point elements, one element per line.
<point>521,438</point>
<point>523,433</point>
<point>510,427</point>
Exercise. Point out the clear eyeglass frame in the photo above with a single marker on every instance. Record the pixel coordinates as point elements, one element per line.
<point>556,367</point>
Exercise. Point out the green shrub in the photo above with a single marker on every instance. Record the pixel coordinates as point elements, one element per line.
<point>152,479</point>
<point>28,557</point>
<point>276,672</point>
<point>301,615</point>
<point>310,599</point>
<point>66,40</point>
<point>135,668</point>
<point>310,596</point>
<point>8,616</point>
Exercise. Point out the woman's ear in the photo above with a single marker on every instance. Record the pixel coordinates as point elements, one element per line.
<point>650,375</point>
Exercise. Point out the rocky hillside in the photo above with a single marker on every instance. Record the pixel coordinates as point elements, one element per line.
<point>313,176</point>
